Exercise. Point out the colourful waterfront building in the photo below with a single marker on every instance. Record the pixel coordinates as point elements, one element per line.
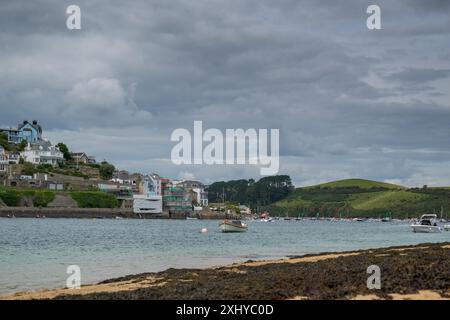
<point>149,200</point>
<point>176,200</point>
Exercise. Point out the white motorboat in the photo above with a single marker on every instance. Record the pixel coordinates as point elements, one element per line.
<point>232,226</point>
<point>447,227</point>
<point>426,224</point>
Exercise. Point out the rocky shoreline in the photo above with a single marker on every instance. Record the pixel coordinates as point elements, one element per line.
<point>407,272</point>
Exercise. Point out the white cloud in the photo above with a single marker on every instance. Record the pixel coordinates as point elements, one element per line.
<point>102,93</point>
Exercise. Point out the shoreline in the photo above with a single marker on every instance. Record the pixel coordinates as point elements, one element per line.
<point>92,213</point>
<point>113,213</point>
<point>407,272</point>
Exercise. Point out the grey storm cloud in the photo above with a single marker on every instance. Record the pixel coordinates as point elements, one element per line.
<point>419,75</point>
<point>349,102</point>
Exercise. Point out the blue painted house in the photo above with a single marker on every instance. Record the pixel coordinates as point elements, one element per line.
<point>26,131</point>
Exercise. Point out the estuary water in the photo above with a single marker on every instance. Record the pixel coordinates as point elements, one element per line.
<point>35,253</point>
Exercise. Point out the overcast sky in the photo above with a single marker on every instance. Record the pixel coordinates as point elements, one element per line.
<point>349,102</point>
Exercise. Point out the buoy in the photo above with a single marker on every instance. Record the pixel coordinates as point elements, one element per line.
<point>204,230</point>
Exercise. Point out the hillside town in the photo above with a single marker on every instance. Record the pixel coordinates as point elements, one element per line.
<point>28,161</point>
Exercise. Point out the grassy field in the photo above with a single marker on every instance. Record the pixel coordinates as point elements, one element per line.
<point>361,183</point>
<point>95,199</point>
<point>362,198</point>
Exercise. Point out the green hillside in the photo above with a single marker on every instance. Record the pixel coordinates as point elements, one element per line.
<point>362,198</point>
<point>361,183</point>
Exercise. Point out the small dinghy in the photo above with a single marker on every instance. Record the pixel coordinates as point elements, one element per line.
<point>426,224</point>
<point>232,226</point>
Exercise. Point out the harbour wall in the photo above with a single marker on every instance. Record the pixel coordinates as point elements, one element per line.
<point>96,213</point>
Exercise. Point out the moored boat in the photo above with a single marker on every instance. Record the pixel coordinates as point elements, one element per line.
<point>233,226</point>
<point>447,227</point>
<point>426,224</point>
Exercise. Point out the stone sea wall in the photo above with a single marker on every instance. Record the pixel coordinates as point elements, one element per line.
<point>91,213</point>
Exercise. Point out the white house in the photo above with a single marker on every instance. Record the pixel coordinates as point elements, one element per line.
<point>143,203</point>
<point>201,196</point>
<point>13,158</point>
<point>245,210</point>
<point>150,198</point>
<point>42,152</point>
<point>3,160</point>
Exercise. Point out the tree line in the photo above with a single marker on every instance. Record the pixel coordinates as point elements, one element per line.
<point>250,192</point>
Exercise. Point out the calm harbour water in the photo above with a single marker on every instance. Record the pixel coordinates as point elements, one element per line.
<point>35,253</point>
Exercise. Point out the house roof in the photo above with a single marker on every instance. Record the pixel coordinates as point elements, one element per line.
<point>41,145</point>
<point>192,184</point>
<point>122,174</point>
<point>78,154</point>
<point>8,129</point>
<point>33,124</point>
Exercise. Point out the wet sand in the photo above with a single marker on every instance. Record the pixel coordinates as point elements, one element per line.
<point>408,272</point>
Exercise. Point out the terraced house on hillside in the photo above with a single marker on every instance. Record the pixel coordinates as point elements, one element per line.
<point>3,160</point>
<point>25,131</point>
<point>81,157</point>
<point>42,152</point>
<point>7,159</point>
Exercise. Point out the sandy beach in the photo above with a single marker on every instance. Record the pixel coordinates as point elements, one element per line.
<point>408,272</point>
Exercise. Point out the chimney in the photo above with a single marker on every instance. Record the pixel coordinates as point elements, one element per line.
<point>35,122</point>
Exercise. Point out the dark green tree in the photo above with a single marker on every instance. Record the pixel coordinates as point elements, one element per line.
<point>106,170</point>
<point>28,169</point>
<point>266,191</point>
<point>65,150</point>
<point>4,141</point>
<point>21,146</point>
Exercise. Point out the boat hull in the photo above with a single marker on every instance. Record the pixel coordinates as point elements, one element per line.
<point>228,227</point>
<point>425,229</point>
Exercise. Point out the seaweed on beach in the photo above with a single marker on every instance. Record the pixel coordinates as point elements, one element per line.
<point>404,270</point>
